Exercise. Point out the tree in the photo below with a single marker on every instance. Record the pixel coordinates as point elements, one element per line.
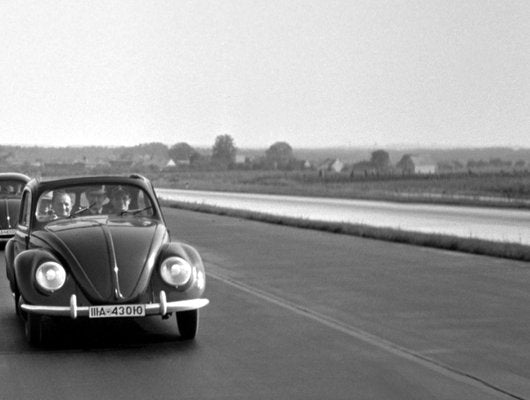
<point>279,155</point>
<point>153,149</point>
<point>126,156</point>
<point>224,151</point>
<point>380,159</point>
<point>406,165</point>
<point>182,152</point>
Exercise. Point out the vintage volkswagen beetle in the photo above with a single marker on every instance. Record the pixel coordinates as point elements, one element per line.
<point>108,264</point>
<point>11,185</point>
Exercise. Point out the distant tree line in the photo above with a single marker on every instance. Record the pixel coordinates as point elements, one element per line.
<point>148,157</point>
<point>223,155</point>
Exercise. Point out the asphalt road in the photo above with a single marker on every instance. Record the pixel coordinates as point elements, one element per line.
<point>298,314</point>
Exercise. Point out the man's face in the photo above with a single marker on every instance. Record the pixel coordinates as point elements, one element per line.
<point>96,200</point>
<point>62,205</point>
<point>120,203</point>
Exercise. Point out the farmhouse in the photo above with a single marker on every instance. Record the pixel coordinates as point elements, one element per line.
<point>423,165</point>
<point>331,165</point>
<point>364,169</point>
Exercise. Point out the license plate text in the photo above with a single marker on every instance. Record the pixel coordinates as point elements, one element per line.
<point>115,311</point>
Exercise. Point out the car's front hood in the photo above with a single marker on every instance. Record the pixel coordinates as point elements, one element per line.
<point>9,213</point>
<point>111,259</point>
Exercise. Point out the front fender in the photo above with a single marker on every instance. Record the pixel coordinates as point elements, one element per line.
<point>197,284</point>
<point>183,250</point>
<point>25,265</point>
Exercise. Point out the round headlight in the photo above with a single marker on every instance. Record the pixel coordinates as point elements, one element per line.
<point>50,276</point>
<point>175,271</point>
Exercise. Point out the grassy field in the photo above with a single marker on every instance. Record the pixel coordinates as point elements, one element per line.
<point>505,190</point>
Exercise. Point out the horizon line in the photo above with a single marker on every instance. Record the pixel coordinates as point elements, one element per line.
<point>394,146</point>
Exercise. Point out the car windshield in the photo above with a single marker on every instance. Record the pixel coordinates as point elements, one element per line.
<point>11,188</point>
<point>93,200</point>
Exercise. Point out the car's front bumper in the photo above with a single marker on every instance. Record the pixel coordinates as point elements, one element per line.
<point>162,308</point>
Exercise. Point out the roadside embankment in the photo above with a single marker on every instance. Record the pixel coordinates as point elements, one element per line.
<point>507,250</point>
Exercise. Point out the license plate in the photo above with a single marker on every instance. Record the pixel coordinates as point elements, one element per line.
<point>116,311</point>
<point>7,231</point>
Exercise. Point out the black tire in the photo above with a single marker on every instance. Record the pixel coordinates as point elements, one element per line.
<point>33,329</point>
<point>188,324</point>
<point>16,298</point>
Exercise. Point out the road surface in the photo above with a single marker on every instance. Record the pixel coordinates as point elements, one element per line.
<point>298,314</point>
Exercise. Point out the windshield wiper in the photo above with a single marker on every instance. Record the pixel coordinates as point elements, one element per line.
<point>82,210</point>
<point>134,212</point>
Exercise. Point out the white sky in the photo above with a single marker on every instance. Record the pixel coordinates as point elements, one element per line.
<point>312,73</point>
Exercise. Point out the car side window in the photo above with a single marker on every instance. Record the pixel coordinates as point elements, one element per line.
<point>25,207</point>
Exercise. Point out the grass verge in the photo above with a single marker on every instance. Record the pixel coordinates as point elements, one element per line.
<point>513,251</point>
<point>484,190</point>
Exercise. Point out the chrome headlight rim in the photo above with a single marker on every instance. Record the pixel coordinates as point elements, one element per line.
<point>176,271</point>
<point>50,276</point>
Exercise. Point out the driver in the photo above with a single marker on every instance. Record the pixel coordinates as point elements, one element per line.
<point>119,201</point>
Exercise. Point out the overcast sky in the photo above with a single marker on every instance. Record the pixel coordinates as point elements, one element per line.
<point>312,73</point>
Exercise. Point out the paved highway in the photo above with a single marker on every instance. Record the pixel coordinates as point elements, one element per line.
<point>508,225</point>
<point>298,314</point>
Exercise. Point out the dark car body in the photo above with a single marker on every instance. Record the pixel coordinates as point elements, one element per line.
<point>106,265</point>
<point>11,185</point>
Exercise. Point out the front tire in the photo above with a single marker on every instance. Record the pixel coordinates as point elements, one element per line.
<point>33,329</point>
<point>188,324</point>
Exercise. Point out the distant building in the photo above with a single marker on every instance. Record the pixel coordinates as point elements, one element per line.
<point>241,159</point>
<point>406,165</point>
<point>331,165</point>
<point>170,165</point>
<point>423,165</point>
<point>181,161</point>
<point>363,169</point>
<point>425,169</point>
